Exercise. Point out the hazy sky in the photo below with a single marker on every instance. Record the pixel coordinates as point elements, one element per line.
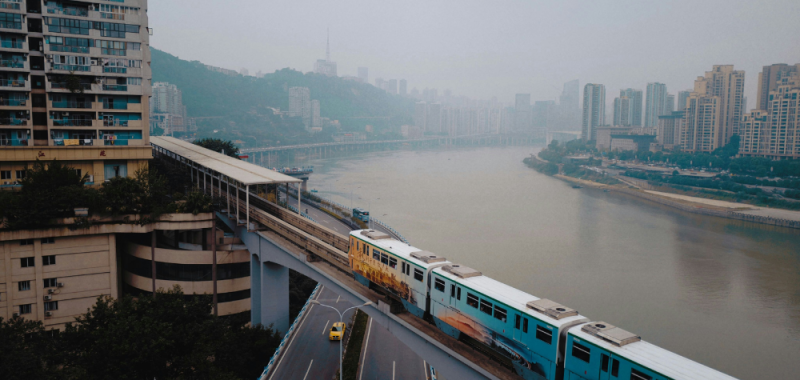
<point>489,48</point>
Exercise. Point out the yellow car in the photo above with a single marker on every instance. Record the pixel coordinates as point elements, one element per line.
<point>337,331</point>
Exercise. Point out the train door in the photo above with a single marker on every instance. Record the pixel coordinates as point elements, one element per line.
<point>607,365</point>
<point>517,327</point>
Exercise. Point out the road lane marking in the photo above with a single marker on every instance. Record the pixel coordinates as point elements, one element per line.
<point>291,340</point>
<point>364,359</point>
<point>393,364</point>
<point>309,369</point>
<point>337,299</point>
<point>326,327</point>
<point>425,369</point>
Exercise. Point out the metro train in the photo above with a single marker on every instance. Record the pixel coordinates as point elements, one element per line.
<point>541,338</point>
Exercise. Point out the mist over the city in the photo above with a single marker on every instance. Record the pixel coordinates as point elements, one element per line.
<point>488,48</point>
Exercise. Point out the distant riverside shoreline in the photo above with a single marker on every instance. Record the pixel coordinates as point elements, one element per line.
<point>704,206</point>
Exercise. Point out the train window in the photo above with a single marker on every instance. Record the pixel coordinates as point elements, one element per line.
<point>472,300</point>
<point>614,367</point>
<point>544,334</point>
<point>418,275</point>
<point>393,262</point>
<point>408,269</point>
<point>517,320</point>
<point>486,307</point>
<point>403,267</point>
<point>581,352</point>
<point>384,258</point>
<point>636,375</point>
<point>439,285</point>
<point>500,313</point>
<point>458,294</point>
<point>452,290</point>
<point>525,325</point>
<point>376,254</point>
<point>604,366</point>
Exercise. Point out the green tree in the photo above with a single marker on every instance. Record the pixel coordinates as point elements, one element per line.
<point>28,352</point>
<point>220,146</point>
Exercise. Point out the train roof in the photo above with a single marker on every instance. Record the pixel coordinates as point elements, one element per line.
<point>543,309</point>
<point>385,242</point>
<point>648,355</point>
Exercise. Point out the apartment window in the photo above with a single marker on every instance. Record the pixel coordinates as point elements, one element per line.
<point>135,81</point>
<point>25,309</point>
<point>24,285</point>
<point>418,275</point>
<point>439,285</point>
<point>544,334</point>
<point>48,240</point>
<point>49,260</point>
<point>50,306</point>
<point>5,174</point>
<point>10,21</point>
<point>26,242</point>
<point>472,300</point>
<point>27,262</point>
<point>21,174</point>
<point>581,352</point>
<point>500,313</point>
<point>50,282</point>
<point>486,307</point>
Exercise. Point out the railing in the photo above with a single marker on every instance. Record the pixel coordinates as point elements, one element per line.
<point>63,86</point>
<point>114,106</point>
<point>9,5</point>
<point>73,122</point>
<point>69,104</point>
<point>120,142</point>
<point>73,142</point>
<point>302,214</point>
<point>117,52</point>
<point>384,225</point>
<point>11,44</point>
<point>13,142</point>
<point>72,67</point>
<point>286,337</point>
<point>115,123</point>
<point>13,102</point>
<point>115,87</point>
<point>12,63</point>
<point>117,70</point>
<point>70,49</point>
<point>112,16</point>
<point>10,121</point>
<point>69,11</point>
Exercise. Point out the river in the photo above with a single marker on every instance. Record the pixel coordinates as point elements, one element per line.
<point>722,292</point>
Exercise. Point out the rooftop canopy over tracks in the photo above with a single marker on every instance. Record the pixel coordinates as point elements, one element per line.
<point>233,172</point>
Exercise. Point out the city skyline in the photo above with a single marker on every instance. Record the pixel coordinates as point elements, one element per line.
<point>449,54</point>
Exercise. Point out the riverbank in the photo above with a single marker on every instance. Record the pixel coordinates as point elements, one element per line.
<point>712,207</point>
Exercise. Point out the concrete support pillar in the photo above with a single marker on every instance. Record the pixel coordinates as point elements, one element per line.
<point>275,301</point>
<point>247,205</point>
<point>305,185</point>
<point>299,196</point>
<point>255,290</point>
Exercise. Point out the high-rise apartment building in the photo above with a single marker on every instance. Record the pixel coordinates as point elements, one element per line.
<point>316,120</point>
<point>622,111</point>
<point>656,103</point>
<point>166,109</point>
<point>433,123</point>
<point>522,112</point>
<point>670,107</point>
<point>544,113</point>
<point>714,109</point>
<point>420,115</point>
<point>74,86</point>
<point>300,104</point>
<point>569,103</point>
<point>403,87</point>
<point>768,80</point>
<point>363,74</point>
<point>594,110</point>
<point>783,137</point>
<point>669,128</point>
<point>682,96</point>
<point>753,133</point>
<point>635,97</point>
<point>391,86</point>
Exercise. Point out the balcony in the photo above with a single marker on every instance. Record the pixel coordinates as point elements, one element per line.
<point>9,44</point>
<point>72,68</point>
<point>10,4</point>
<point>68,49</point>
<point>74,142</point>
<point>72,122</point>
<point>59,86</point>
<point>115,70</point>
<point>115,87</point>
<point>78,12</point>
<point>123,142</point>
<point>15,84</point>
<point>13,102</point>
<point>12,63</point>
<point>14,142</point>
<point>72,104</point>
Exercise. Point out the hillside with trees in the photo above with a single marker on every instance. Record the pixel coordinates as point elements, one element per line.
<point>243,104</point>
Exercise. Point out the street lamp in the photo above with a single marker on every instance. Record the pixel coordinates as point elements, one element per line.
<point>341,316</point>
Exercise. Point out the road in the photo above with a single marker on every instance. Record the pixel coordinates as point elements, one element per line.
<point>309,354</point>
<point>384,357</point>
<point>326,219</point>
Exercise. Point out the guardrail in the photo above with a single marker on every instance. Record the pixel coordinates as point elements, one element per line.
<point>376,220</point>
<point>302,213</point>
<point>289,333</point>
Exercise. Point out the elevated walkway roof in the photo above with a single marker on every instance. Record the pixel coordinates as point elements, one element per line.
<point>238,170</point>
